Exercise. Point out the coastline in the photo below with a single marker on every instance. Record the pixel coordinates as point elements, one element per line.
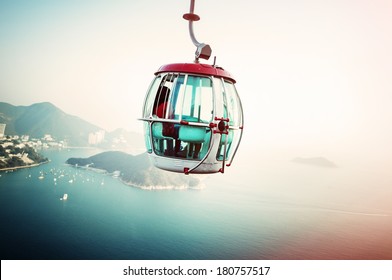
<point>138,186</point>
<point>24,166</point>
<point>161,187</point>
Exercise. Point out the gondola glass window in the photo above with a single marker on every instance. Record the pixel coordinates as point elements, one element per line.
<point>229,108</point>
<point>182,106</point>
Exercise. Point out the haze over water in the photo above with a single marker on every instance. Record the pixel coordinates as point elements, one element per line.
<point>276,209</point>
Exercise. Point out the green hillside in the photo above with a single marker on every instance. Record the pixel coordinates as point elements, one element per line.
<point>44,118</point>
<point>136,170</point>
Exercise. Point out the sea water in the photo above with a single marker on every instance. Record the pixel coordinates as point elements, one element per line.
<point>275,210</point>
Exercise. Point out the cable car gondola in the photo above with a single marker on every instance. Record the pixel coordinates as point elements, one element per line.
<point>193,118</point>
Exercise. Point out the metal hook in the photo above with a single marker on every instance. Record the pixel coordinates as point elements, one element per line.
<point>202,50</point>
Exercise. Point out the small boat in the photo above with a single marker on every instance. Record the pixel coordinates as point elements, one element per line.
<point>65,197</point>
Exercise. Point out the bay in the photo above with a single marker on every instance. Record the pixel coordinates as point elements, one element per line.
<point>275,210</point>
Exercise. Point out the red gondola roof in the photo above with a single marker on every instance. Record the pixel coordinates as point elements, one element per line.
<point>196,68</point>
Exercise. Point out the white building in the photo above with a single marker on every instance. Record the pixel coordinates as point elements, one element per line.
<point>48,137</point>
<point>7,144</point>
<point>95,138</point>
<point>2,129</point>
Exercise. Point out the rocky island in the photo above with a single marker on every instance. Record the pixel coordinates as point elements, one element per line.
<point>136,171</point>
<point>315,161</point>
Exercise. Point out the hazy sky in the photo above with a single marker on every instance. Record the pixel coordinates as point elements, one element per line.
<point>313,76</point>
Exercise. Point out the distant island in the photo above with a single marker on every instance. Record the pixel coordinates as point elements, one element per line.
<point>136,171</point>
<point>315,161</point>
<point>16,153</point>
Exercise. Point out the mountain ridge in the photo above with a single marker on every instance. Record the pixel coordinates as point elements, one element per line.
<point>43,118</point>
